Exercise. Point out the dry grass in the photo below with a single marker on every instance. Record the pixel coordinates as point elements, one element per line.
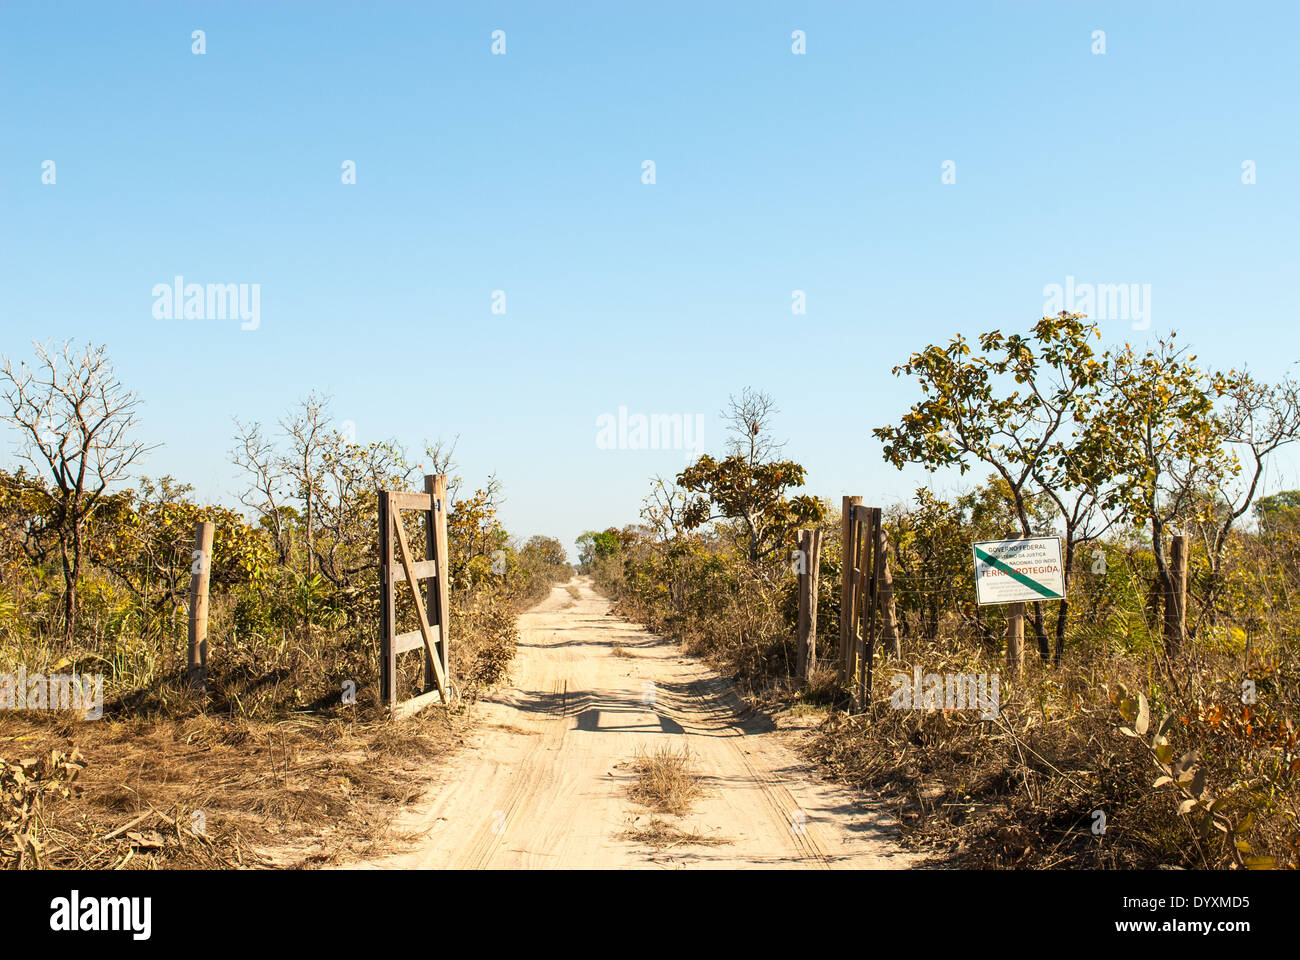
<point>618,651</point>
<point>572,591</point>
<point>208,792</point>
<point>665,782</point>
<point>1022,790</point>
<point>822,687</point>
<point>662,835</point>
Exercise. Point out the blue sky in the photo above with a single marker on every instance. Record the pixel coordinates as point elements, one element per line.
<point>522,172</point>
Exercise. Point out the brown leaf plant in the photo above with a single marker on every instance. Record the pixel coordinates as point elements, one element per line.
<point>1208,812</point>
<point>24,787</point>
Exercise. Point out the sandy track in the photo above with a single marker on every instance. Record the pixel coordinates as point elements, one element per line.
<point>543,781</point>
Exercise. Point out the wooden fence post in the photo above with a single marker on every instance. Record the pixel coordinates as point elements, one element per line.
<point>436,487</point>
<point>387,602</point>
<point>1015,639</point>
<point>803,546</point>
<point>872,545</point>
<point>864,544</point>
<point>1176,602</point>
<point>433,610</point>
<point>814,589</point>
<point>200,575</point>
<point>848,529</point>
<point>885,590</point>
<point>810,548</point>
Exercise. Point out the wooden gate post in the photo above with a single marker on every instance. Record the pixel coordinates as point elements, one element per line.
<point>810,548</point>
<point>387,602</point>
<point>803,546</point>
<point>814,589</point>
<point>848,544</point>
<point>864,539</point>
<point>439,593</point>
<point>872,544</point>
<point>1015,639</point>
<point>200,576</point>
<point>885,591</point>
<point>1176,601</point>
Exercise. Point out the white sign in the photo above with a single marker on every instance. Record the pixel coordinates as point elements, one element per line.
<point>1016,571</point>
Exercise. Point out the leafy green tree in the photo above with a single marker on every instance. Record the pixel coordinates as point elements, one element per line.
<point>595,545</point>
<point>1013,406</point>
<point>1157,428</point>
<point>145,539</point>
<point>749,485</point>
<point>933,558</point>
<point>1277,504</point>
<point>545,551</point>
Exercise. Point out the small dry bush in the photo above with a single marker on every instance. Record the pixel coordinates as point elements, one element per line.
<point>665,782</point>
<point>485,636</point>
<point>822,687</point>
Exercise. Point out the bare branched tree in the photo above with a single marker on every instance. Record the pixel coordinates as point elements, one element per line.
<point>76,420</point>
<point>749,421</point>
<point>662,509</point>
<point>1258,419</point>
<point>748,487</point>
<point>347,510</point>
<point>442,454</point>
<point>308,430</point>
<point>255,453</point>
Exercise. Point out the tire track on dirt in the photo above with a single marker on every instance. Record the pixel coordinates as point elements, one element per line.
<point>545,785</point>
<point>489,837</point>
<point>785,810</point>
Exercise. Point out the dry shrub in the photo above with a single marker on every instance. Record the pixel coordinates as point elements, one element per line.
<point>278,768</point>
<point>822,687</point>
<point>484,638</point>
<point>27,788</point>
<point>665,782</point>
<point>1034,787</point>
<point>714,602</point>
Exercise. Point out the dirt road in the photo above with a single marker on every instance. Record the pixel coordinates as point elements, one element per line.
<point>543,782</point>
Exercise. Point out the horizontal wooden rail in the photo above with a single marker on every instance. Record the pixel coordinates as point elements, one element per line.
<point>414,639</point>
<point>409,708</point>
<point>423,569</point>
<point>410,501</point>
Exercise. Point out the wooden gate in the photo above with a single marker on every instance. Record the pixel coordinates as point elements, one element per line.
<point>866,597</point>
<point>432,611</point>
